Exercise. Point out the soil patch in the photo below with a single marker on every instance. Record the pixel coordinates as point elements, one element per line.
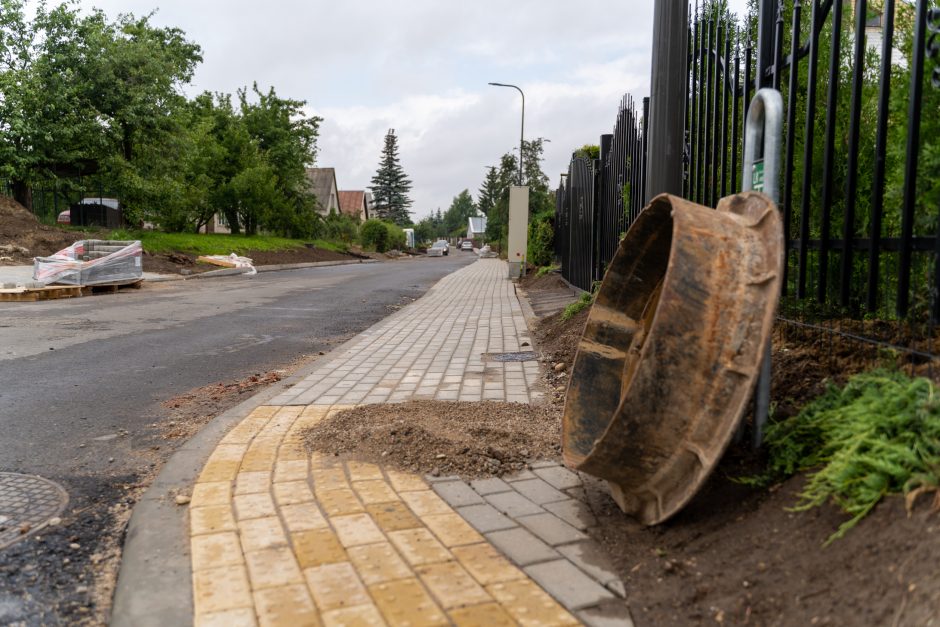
<point>20,231</point>
<point>737,556</point>
<point>441,437</point>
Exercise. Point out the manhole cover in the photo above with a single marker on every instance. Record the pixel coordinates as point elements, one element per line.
<point>27,502</point>
<point>520,356</point>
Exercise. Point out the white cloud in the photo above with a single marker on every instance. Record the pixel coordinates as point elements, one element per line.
<point>421,67</point>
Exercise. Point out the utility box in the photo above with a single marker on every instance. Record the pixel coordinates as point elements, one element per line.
<point>518,230</point>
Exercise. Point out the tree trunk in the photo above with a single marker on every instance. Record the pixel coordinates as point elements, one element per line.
<point>232,216</point>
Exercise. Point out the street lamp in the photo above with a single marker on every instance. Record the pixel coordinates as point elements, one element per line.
<point>522,130</point>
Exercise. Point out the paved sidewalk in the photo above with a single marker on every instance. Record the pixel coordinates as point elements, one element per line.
<point>282,537</point>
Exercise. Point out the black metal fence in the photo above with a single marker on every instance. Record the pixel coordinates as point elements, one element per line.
<point>50,198</point>
<point>860,188</point>
<point>599,198</point>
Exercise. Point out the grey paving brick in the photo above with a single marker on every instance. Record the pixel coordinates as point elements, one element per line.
<point>442,479</point>
<point>617,588</point>
<point>538,491</point>
<point>522,547</point>
<point>591,559</point>
<point>575,513</point>
<point>551,529</point>
<point>559,477</point>
<point>544,464</point>
<point>568,584</point>
<point>513,504</point>
<point>607,614</point>
<point>485,518</point>
<point>490,486</point>
<point>521,476</point>
<point>457,493</point>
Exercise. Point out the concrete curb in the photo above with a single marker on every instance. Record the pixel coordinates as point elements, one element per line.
<point>154,586</point>
<point>271,268</point>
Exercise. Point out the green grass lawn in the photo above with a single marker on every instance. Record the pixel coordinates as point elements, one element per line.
<point>216,243</point>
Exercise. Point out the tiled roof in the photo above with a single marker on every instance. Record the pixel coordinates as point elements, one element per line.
<point>352,202</point>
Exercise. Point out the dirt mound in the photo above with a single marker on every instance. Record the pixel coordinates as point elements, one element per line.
<point>738,556</point>
<point>21,229</point>
<point>439,437</point>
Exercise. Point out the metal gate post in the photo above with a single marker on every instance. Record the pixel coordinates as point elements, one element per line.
<point>763,131</point>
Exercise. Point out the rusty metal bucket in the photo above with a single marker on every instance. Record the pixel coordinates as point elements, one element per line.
<point>672,349</point>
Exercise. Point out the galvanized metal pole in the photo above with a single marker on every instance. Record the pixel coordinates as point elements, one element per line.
<point>522,127</point>
<point>668,86</point>
<point>763,130</point>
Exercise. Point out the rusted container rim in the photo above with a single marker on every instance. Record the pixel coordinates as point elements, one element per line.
<point>604,424</point>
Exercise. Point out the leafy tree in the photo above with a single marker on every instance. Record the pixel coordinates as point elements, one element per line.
<point>286,138</point>
<point>390,185</point>
<point>455,218</point>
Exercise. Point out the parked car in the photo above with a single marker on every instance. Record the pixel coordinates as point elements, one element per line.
<point>439,249</point>
<point>466,245</point>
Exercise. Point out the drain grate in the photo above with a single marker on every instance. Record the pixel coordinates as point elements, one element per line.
<point>518,356</point>
<point>27,502</point>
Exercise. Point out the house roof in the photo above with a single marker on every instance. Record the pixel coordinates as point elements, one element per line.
<point>477,224</point>
<point>321,182</point>
<point>352,202</point>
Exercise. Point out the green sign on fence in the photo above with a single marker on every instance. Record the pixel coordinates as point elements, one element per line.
<point>757,176</point>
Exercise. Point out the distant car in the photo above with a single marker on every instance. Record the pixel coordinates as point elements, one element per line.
<point>466,245</point>
<point>439,249</point>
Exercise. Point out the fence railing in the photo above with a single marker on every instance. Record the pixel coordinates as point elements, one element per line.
<point>860,184</point>
<point>599,198</point>
<point>49,198</point>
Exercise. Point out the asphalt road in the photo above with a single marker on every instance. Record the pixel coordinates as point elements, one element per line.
<point>82,381</point>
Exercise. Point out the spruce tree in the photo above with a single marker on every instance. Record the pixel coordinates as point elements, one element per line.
<point>390,185</point>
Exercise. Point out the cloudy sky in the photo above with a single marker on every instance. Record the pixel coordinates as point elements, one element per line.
<point>422,68</point>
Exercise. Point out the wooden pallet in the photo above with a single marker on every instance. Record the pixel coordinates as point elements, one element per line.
<point>111,288</point>
<point>31,295</point>
<point>54,292</point>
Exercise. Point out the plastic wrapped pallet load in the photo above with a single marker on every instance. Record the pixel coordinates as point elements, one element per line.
<point>91,262</point>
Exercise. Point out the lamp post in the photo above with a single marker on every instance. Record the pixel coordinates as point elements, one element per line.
<point>522,130</point>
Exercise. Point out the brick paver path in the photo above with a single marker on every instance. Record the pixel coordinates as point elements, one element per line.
<point>283,537</point>
<point>434,348</point>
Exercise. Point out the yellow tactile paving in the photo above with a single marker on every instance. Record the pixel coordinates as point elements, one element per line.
<point>216,549</point>
<point>485,615</point>
<point>374,491</point>
<point>241,617</point>
<point>214,493</point>
<point>282,540</point>
<point>336,585</point>
<point>452,585</point>
<point>451,529</point>
<point>318,547</point>
<point>405,602</point>
<point>378,563</point>
<point>292,493</point>
<point>366,615</point>
<point>486,564</point>
<point>261,533</point>
<point>288,606</point>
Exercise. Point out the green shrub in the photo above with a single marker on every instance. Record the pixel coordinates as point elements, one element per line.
<point>374,235</point>
<point>545,270</point>
<point>341,228</point>
<point>878,435</point>
<point>396,236</point>
<point>541,249</point>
